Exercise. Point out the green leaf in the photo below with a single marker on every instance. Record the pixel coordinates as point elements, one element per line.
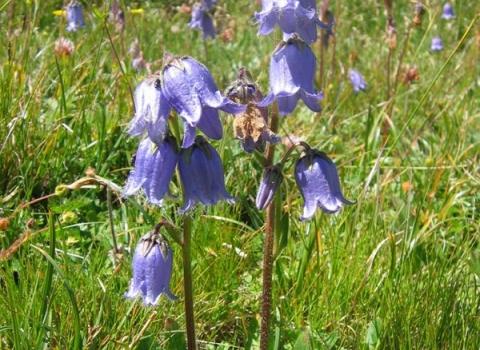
<point>372,337</point>
<point>304,341</point>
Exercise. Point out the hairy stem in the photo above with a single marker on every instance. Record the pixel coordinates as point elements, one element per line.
<point>268,246</point>
<point>187,283</point>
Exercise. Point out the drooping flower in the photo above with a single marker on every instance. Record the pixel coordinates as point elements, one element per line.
<point>292,72</point>
<point>151,110</point>
<point>357,80</point>
<point>189,88</point>
<point>437,44</point>
<point>152,270</point>
<point>271,180</point>
<point>201,173</point>
<point>251,127</point>
<point>448,12</point>
<point>209,4</point>
<point>74,16</point>
<point>202,20</point>
<point>292,16</point>
<point>317,179</point>
<point>153,169</point>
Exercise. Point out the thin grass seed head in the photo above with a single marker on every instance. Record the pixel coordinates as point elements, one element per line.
<point>201,174</point>
<point>117,16</point>
<point>448,12</point>
<point>357,80</point>
<point>190,89</point>
<point>152,270</point>
<point>292,16</point>
<point>329,31</point>
<point>291,77</point>
<point>317,179</point>
<point>419,11</point>
<point>75,19</point>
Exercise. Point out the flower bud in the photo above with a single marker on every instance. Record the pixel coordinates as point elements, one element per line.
<point>271,180</point>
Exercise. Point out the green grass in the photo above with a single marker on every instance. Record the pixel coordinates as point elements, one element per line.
<point>398,270</point>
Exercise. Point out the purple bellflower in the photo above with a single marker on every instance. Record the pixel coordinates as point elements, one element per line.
<point>201,173</point>
<point>202,20</point>
<point>448,12</point>
<point>209,4</point>
<point>292,16</point>
<point>271,180</point>
<point>153,169</point>
<point>357,80</point>
<point>317,179</point>
<point>437,44</point>
<point>152,270</point>
<point>151,110</point>
<point>75,20</point>
<point>190,89</point>
<point>292,72</point>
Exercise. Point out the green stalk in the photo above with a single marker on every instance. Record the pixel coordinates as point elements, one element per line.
<point>307,253</point>
<point>187,283</point>
<point>62,86</point>
<point>268,246</point>
<point>48,283</point>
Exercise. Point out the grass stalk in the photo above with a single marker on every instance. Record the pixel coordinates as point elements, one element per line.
<point>187,283</point>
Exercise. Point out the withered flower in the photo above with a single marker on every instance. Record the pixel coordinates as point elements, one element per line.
<point>251,127</point>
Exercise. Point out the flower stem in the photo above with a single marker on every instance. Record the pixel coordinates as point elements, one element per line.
<point>187,283</point>
<point>268,245</point>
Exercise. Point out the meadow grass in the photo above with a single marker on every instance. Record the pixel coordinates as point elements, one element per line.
<point>399,269</point>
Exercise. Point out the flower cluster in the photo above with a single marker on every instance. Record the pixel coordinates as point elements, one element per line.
<point>186,86</point>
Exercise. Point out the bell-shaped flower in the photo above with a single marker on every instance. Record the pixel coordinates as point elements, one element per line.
<point>292,16</point>
<point>201,173</point>
<point>75,20</point>
<point>152,270</point>
<point>251,127</point>
<point>209,4</point>
<point>437,44</point>
<point>271,180</point>
<point>357,80</point>
<point>317,179</point>
<point>202,20</point>
<point>448,12</point>
<point>292,72</point>
<point>189,88</point>
<point>151,110</point>
<point>153,169</point>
